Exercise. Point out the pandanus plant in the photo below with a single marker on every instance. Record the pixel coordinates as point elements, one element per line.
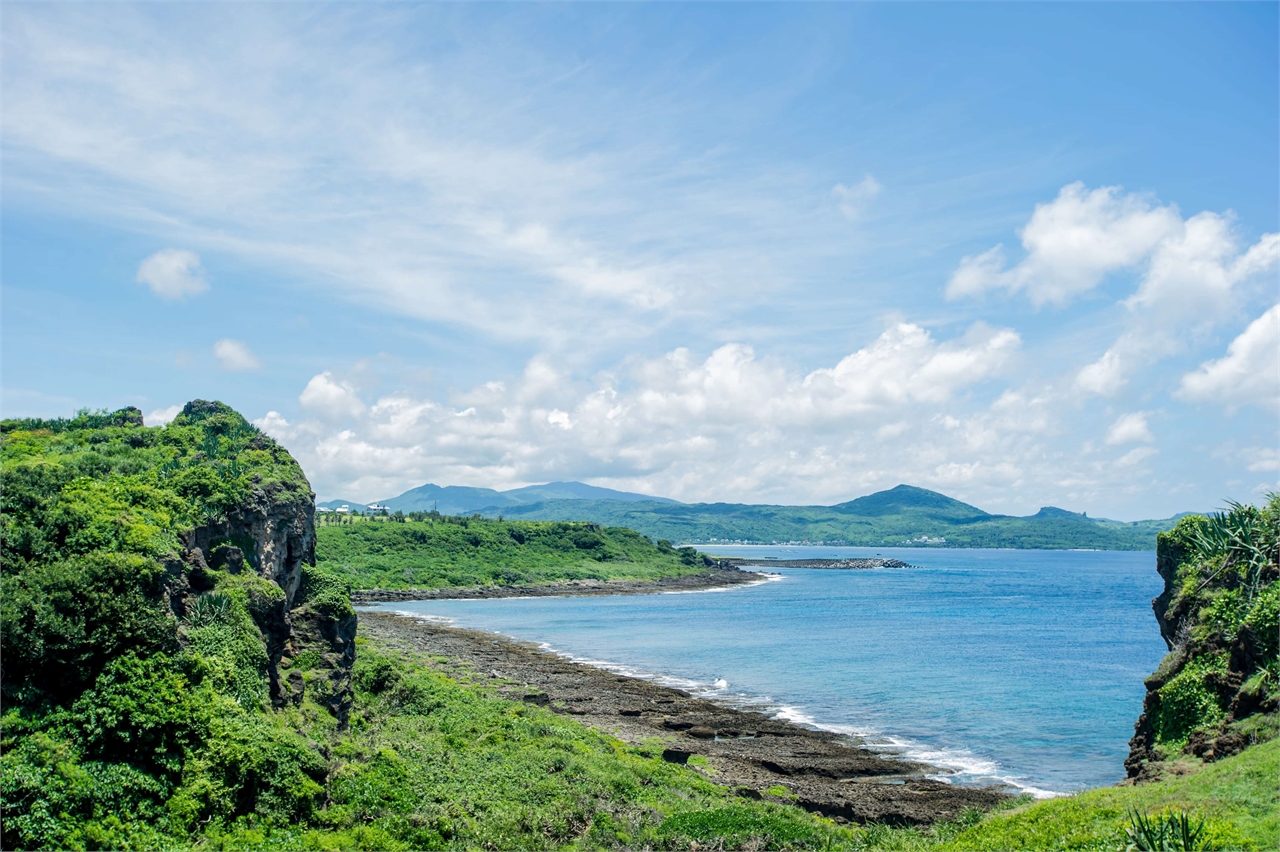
<point>1172,832</point>
<point>209,608</point>
<point>1248,539</point>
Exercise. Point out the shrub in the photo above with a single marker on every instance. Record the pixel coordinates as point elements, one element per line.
<point>1188,702</point>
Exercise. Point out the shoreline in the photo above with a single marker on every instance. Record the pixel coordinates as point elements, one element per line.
<point>720,577</point>
<point>748,751</point>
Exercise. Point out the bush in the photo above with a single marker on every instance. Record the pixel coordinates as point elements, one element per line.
<point>326,593</point>
<point>63,621</point>
<point>1188,702</point>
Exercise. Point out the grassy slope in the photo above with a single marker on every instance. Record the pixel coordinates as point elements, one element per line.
<point>729,521</point>
<point>1239,795</point>
<point>434,762</point>
<point>451,551</point>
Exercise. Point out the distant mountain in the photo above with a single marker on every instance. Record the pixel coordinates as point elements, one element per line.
<point>449,499</point>
<point>462,500</point>
<point>353,505</point>
<point>578,491</point>
<point>901,516</point>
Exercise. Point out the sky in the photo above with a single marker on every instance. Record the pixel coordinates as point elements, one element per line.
<point>1022,254</point>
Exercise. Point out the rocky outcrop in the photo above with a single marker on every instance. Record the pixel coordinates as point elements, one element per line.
<point>272,536</point>
<point>1212,695</point>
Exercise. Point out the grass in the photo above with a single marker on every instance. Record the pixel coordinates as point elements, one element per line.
<point>1238,798</point>
<point>432,762</point>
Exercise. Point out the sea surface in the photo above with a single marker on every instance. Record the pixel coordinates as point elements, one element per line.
<point>1016,666</point>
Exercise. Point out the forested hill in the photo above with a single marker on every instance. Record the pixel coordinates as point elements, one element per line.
<point>902,516</point>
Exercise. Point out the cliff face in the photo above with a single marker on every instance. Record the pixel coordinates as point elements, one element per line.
<point>269,534</point>
<point>272,536</point>
<point>1215,693</point>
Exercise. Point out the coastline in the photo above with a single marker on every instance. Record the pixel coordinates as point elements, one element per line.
<point>719,577</point>
<point>748,751</point>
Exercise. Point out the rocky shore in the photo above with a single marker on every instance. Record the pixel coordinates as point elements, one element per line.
<point>750,752</point>
<point>720,576</point>
<point>847,564</point>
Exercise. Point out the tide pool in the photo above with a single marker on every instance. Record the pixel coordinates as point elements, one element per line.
<point>1024,667</point>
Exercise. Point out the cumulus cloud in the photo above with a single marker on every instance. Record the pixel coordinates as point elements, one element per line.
<point>173,274</point>
<point>853,200</point>
<point>330,398</point>
<point>1190,284</point>
<point>235,356</point>
<point>161,416</point>
<point>1130,428</point>
<point>1248,374</point>
<point>676,423</point>
<point>1071,243</point>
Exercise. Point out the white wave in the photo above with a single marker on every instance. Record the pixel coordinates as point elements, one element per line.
<point>442,620</point>
<point>960,764</point>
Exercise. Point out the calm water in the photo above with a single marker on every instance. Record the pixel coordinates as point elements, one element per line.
<point>1019,666</point>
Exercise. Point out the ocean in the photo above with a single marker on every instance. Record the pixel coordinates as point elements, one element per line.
<point>1020,667</point>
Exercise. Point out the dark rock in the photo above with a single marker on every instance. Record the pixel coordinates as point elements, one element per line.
<point>676,755</point>
<point>630,711</point>
<point>701,732</point>
<point>541,699</point>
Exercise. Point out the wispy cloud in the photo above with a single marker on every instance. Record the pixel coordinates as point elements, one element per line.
<point>234,356</point>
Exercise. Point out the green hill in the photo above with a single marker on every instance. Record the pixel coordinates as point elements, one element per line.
<point>178,675</point>
<point>904,516</point>
<point>441,551</point>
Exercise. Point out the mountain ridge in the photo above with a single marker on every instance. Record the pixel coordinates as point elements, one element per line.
<point>905,515</point>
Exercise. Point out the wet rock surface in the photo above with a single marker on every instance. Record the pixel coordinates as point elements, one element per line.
<point>745,750</point>
<point>866,564</point>
<point>722,575</point>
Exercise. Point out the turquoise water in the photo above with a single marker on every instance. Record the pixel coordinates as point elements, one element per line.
<point>1024,667</point>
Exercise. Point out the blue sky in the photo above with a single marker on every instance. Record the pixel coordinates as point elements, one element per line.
<point>1023,254</point>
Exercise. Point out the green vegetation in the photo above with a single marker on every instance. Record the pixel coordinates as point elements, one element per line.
<point>430,551</point>
<point>136,708</point>
<point>1219,688</point>
<point>124,724</point>
<point>902,516</point>
<point>1237,797</point>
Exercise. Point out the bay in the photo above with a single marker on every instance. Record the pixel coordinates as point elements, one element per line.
<point>1013,666</point>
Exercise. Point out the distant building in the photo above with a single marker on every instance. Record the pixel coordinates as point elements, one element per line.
<point>379,510</point>
<point>321,510</point>
<point>344,509</point>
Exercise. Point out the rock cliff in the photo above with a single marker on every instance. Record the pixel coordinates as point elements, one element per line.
<point>271,534</point>
<point>1215,693</point>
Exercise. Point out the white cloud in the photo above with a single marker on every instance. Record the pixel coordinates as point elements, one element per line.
<point>675,423</point>
<point>1248,374</point>
<point>1190,286</point>
<point>1130,428</point>
<point>1263,459</point>
<point>330,398</point>
<point>853,200</point>
<point>1136,456</point>
<point>161,416</point>
<point>235,356</point>
<point>1071,243</point>
<point>173,274</point>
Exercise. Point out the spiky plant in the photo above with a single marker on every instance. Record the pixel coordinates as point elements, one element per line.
<point>1248,540</point>
<point>209,608</point>
<point>1170,832</point>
